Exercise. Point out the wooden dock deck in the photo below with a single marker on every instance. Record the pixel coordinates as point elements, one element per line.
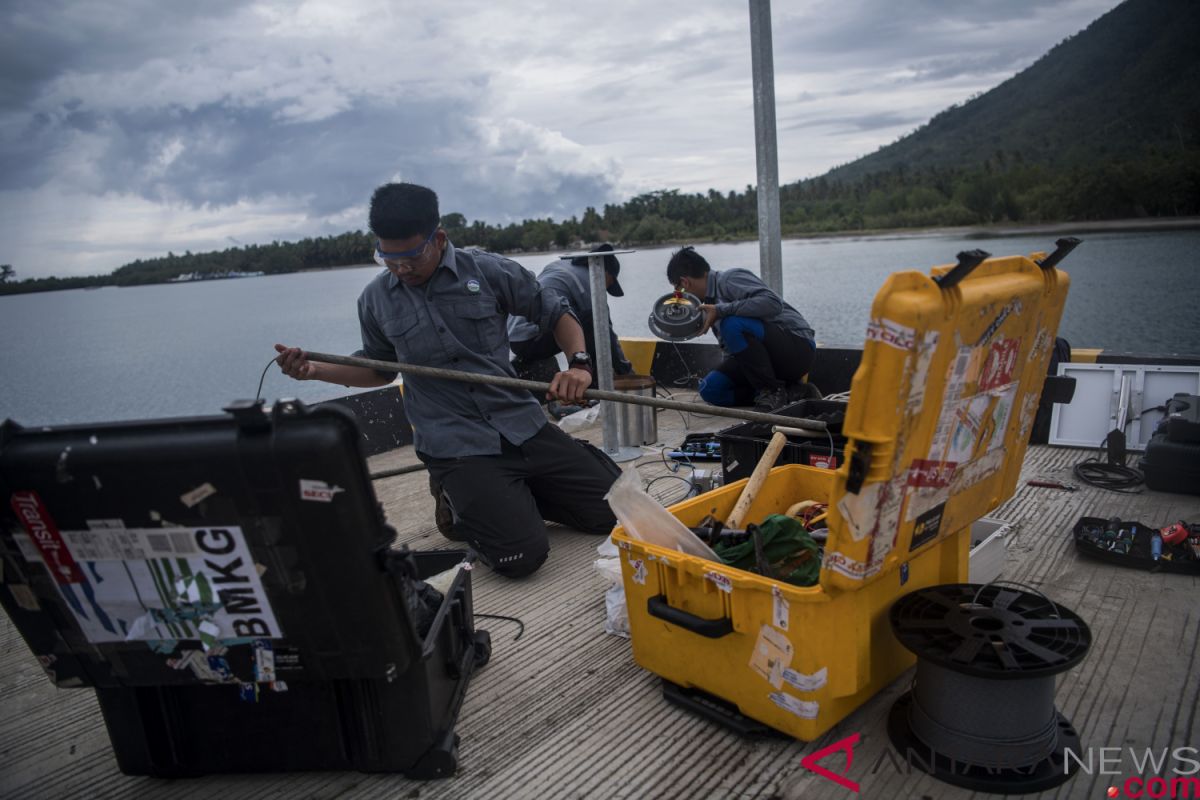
<point>564,712</point>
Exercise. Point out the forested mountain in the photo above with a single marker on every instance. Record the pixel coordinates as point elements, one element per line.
<point>1104,126</point>
<point>1126,87</point>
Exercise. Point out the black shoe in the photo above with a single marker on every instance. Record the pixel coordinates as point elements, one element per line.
<point>770,399</point>
<point>443,514</point>
<point>803,391</point>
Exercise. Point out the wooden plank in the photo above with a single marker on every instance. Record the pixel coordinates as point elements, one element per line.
<point>564,711</point>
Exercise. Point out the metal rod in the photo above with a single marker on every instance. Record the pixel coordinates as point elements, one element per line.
<point>603,365</point>
<point>590,394</point>
<point>390,473</point>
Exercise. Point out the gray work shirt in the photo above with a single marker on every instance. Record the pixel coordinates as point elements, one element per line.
<point>573,284</point>
<point>740,293</point>
<point>458,320</point>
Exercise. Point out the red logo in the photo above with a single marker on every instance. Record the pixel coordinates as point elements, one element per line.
<point>41,529</point>
<point>809,762</point>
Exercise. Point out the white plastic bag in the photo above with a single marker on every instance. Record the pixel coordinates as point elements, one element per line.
<point>616,615</point>
<point>583,418</point>
<point>643,518</point>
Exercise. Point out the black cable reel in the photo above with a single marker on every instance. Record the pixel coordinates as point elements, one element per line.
<point>981,711</point>
<point>676,317</point>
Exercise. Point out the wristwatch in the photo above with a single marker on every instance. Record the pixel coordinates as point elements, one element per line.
<point>581,359</point>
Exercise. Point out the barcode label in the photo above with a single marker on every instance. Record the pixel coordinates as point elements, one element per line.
<point>182,542</point>
<point>129,544</point>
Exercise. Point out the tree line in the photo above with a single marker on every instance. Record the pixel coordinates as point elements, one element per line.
<point>1004,189</point>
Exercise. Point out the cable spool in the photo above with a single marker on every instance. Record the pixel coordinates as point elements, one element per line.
<point>676,317</point>
<point>981,711</point>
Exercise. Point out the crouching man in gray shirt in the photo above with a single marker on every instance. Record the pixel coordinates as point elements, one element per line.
<point>535,348</point>
<point>492,456</point>
<point>768,345</point>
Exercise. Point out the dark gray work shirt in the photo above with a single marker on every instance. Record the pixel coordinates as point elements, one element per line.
<point>573,284</point>
<point>458,320</point>
<point>740,293</point>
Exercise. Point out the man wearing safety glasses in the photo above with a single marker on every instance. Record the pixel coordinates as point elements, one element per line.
<point>493,458</point>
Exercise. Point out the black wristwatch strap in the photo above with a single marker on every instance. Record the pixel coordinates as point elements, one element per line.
<point>584,363</point>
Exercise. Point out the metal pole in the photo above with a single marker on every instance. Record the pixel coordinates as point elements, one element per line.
<point>770,251</point>
<point>604,368</point>
<point>591,394</point>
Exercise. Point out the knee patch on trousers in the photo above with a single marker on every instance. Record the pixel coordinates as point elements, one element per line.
<point>716,388</point>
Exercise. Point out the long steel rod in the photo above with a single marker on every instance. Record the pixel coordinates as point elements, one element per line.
<point>591,394</point>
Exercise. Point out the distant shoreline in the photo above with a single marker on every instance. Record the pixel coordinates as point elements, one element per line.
<point>983,232</point>
<point>995,231</point>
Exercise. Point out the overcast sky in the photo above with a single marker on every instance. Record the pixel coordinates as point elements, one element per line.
<point>129,129</point>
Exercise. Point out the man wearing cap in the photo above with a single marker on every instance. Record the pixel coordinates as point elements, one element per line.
<point>570,281</point>
<point>497,467</point>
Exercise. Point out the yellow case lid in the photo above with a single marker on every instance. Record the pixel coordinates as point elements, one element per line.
<point>941,406</point>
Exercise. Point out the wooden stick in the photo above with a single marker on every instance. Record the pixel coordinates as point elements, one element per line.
<point>735,518</point>
<point>591,394</point>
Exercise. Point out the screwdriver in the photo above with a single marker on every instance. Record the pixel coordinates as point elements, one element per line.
<point>1052,485</point>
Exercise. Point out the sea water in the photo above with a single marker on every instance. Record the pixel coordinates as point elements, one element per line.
<point>190,348</point>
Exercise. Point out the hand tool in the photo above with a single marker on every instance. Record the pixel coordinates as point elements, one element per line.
<point>756,480</point>
<point>1052,485</point>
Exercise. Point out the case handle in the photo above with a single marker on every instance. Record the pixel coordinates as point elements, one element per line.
<point>967,261</point>
<point>1063,248</point>
<point>709,628</point>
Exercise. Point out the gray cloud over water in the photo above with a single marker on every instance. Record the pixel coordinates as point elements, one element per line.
<point>131,128</point>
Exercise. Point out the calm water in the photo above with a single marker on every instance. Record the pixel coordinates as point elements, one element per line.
<point>170,350</point>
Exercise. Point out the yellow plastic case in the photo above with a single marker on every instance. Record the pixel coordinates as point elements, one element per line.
<point>939,416</point>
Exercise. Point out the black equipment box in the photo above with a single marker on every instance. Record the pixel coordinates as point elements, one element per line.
<point>226,584</point>
<point>1181,422</point>
<point>1171,466</point>
<point>743,445</point>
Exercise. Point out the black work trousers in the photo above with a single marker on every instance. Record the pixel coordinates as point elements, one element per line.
<point>500,502</point>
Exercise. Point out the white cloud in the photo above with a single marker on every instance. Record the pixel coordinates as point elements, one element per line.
<point>165,127</point>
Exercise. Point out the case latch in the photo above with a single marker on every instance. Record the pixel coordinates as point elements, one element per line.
<point>860,461</point>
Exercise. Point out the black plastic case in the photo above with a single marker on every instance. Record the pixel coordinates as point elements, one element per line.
<point>316,661</point>
<point>743,445</point>
<point>1171,466</point>
<point>1181,422</point>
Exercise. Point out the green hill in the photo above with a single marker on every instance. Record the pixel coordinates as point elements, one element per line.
<point>1126,87</point>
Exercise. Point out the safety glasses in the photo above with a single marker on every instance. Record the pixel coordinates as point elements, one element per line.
<point>403,257</point>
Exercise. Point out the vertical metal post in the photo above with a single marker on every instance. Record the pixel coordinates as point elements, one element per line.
<point>770,251</point>
<point>603,365</point>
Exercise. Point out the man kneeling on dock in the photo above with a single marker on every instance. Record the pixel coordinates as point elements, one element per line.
<point>768,345</point>
<point>491,453</point>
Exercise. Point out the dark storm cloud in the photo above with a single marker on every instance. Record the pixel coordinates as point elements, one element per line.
<point>869,33</point>
<point>42,40</point>
<point>169,126</point>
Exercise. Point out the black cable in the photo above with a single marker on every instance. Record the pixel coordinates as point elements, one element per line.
<point>262,378</point>
<point>508,619</point>
<point>686,422</point>
<point>1113,477</point>
<point>691,486</point>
